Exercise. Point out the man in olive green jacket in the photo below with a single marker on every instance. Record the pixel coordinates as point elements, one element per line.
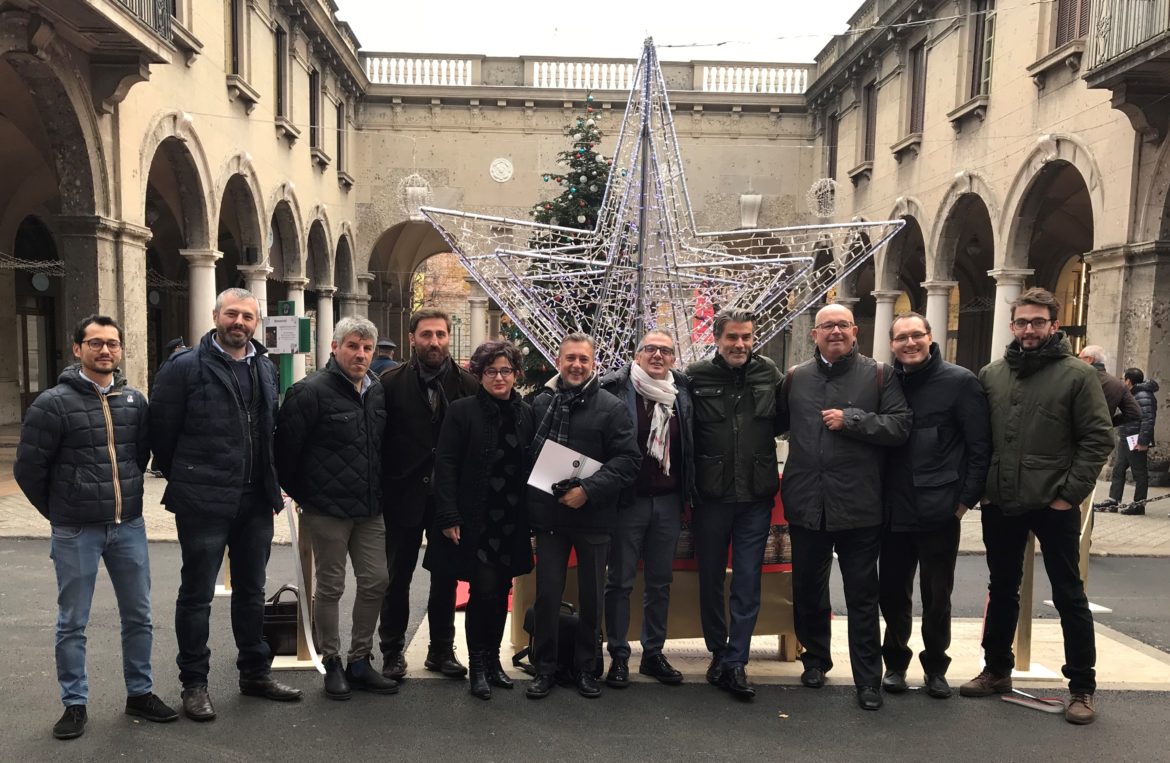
<point>736,480</point>
<point>1051,434</point>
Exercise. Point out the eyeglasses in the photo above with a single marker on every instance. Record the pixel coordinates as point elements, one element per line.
<point>492,373</point>
<point>1037,323</point>
<point>835,326</point>
<point>97,344</point>
<point>653,349</point>
<point>917,336</point>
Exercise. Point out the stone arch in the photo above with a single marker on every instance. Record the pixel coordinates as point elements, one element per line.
<point>190,166</point>
<point>1015,227</point>
<point>943,242</point>
<point>1153,221</point>
<point>319,254</point>
<point>286,227</point>
<point>890,258</point>
<point>29,45</point>
<point>241,165</point>
<point>394,258</point>
<point>344,273</point>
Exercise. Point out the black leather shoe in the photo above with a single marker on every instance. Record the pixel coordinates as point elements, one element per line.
<point>150,707</point>
<point>734,679</point>
<point>656,666</point>
<point>869,698</point>
<point>336,685</point>
<point>894,681</point>
<point>618,675</point>
<point>715,669</point>
<point>813,678</point>
<point>394,666</point>
<point>937,686</point>
<point>72,723</point>
<point>478,685</point>
<point>541,686</point>
<point>587,685</point>
<point>269,688</point>
<point>441,659</point>
<point>361,675</point>
<point>197,704</point>
<point>495,672</point>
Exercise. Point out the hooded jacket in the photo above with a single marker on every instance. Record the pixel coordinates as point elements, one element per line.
<point>1050,427</point>
<point>1144,395</point>
<point>82,453</point>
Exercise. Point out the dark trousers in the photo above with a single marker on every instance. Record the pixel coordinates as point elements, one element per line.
<point>203,538</point>
<point>647,530</point>
<point>812,560</point>
<point>745,527</point>
<point>552,562</point>
<point>487,608</point>
<point>1058,533</point>
<point>933,554</point>
<point>402,545</point>
<point>1123,460</point>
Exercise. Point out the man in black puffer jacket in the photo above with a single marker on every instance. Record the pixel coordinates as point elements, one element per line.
<point>83,449</point>
<point>329,459</point>
<point>213,410</point>
<point>1125,457</point>
<point>574,411</point>
<point>929,483</point>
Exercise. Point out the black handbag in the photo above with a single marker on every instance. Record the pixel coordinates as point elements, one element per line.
<point>568,623</point>
<point>280,621</point>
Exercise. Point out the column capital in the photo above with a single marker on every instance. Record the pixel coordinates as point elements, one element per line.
<point>365,279</point>
<point>940,287</point>
<point>255,272</point>
<point>201,258</point>
<point>1010,275</point>
<point>326,291</point>
<point>87,225</point>
<point>889,296</point>
<point>298,283</point>
<point>477,291</point>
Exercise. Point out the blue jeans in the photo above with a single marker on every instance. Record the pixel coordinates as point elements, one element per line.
<point>203,538</point>
<point>745,527</point>
<point>75,550</point>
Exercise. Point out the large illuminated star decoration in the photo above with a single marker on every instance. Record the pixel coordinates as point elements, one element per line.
<point>644,265</point>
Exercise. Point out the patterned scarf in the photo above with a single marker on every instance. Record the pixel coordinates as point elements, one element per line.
<point>555,422</point>
<point>662,393</point>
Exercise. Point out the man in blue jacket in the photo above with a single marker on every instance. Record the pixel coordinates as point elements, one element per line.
<point>213,413</point>
<point>930,482</point>
<point>83,450</point>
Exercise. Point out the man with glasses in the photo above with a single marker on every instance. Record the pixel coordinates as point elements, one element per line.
<point>736,479</point>
<point>842,411</point>
<point>1050,432</point>
<point>213,414</point>
<point>83,450</point>
<point>930,482</point>
<point>650,515</point>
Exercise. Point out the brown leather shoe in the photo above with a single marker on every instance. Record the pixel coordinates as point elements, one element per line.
<point>985,684</point>
<point>1080,709</point>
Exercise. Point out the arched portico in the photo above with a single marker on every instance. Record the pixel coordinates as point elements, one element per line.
<point>395,258</point>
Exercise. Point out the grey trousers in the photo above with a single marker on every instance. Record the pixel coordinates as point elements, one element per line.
<point>364,542</point>
<point>647,530</point>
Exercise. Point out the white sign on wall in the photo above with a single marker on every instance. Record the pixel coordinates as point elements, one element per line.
<point>281,334</point>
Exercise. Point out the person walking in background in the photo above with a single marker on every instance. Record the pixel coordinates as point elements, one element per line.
<point>1127,457</point>
<point>481,475</point>
<point>384,359</point>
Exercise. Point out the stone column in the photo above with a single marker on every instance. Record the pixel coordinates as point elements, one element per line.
<point>256,281</point>
<point>362,298</point>
<point>324,324</point>
<point>296,294</point>
<point>200,291</point>
<point>494,314</point>
<point>883,316</point>
<point>348,302</point>
<point>1009,282</point>
<point>132,308</point>
<point>477,304</point>
<point>938,309</point>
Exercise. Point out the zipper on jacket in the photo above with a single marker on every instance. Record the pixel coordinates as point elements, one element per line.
<point>113,457</point>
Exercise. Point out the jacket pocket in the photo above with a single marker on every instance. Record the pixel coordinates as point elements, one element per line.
<point>765,475</point>
<point>710,478</point>
<point>764,401</point>
<point>1041,478</point>
<point>708,404</point>
<point>928,462</point>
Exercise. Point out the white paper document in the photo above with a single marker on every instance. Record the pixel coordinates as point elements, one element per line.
<point>1131,441</point>
<point>556,463</point>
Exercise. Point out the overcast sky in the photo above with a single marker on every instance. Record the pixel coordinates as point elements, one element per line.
<point>750,30</point>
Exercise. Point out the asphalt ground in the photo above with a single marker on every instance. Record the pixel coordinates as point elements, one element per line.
<point>434,719</point>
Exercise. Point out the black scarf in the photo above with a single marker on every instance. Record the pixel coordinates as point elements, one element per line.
<point>555,422</point>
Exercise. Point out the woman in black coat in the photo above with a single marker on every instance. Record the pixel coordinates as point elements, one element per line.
<point>481,473</point>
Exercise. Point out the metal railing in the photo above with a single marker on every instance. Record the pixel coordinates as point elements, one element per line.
<point>1118,26</point>
<point>156,14</point>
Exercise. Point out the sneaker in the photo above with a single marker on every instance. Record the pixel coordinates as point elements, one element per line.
<point>1133,511</point>
<point>72,723</point>
<point>985,684</point>
<point>1108,505</point>
<point>1080,709</point>
<point>150,707</point>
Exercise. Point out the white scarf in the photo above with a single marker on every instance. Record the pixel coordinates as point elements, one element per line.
<point>662,393</point>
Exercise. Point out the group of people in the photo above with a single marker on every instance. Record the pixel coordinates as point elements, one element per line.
<point>883,461</point>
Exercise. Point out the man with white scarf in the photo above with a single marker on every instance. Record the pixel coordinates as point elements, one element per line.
<point>649,520</point>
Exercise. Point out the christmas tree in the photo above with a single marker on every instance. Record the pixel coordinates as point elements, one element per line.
<point>583,179</point>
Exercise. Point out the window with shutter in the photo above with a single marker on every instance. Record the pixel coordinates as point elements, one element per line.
<point>831,145</point>
<point>917,87</point>
<point>1072,20</point>
<point>982,46</point>
<point>869,111</point>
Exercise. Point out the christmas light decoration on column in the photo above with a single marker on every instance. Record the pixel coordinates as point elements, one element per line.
<point>643,264</point>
